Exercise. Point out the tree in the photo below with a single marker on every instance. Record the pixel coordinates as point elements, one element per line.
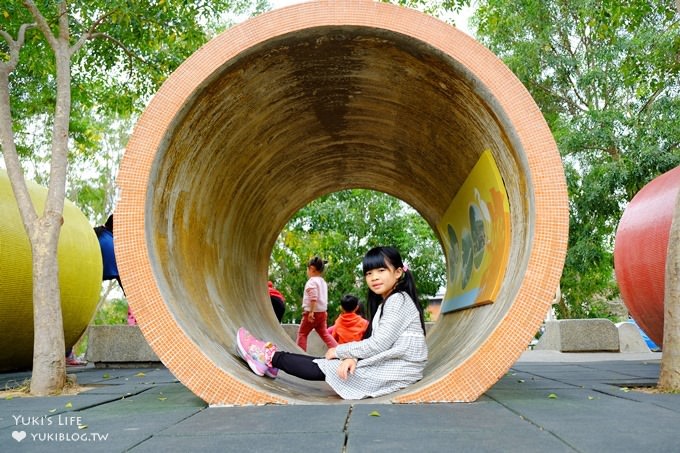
<point>60,63</point>
<point>433,8</point>
<point>605,75</point>
<point>341,227</point>
<point>91,175</point>
<point>669,378</point>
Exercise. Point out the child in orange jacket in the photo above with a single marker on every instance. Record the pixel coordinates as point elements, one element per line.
<point>349,326</point>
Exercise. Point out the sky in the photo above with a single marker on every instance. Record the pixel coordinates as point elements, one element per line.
<point>460,20</point>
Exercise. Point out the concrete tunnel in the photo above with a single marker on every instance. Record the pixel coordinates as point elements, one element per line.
<point>300,102</point>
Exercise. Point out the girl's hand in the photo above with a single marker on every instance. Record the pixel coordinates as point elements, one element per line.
<point>347,367</point>
<point>331,354</point>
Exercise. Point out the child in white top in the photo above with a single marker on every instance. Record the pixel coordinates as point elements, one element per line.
<point>315,306</point>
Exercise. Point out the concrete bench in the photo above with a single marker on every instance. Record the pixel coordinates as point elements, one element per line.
<point>580,335</point>
<point>630,339</point>
<point>119,346</point>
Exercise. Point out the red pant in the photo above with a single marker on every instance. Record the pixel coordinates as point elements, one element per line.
<point>319,324</point>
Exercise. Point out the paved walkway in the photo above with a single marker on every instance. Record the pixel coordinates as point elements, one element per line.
<point>547,402</point>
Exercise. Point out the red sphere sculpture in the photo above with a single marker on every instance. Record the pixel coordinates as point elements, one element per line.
<point>640,251</point>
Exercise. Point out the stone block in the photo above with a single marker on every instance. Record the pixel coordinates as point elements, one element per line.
<point>118,345</point>
<point>630,339</point>
<point>580,335</point>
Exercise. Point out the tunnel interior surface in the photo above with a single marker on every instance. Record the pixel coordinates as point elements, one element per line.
<point>312,99</point>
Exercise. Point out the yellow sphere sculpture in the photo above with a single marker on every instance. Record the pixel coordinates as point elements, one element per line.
<point>80,275</point>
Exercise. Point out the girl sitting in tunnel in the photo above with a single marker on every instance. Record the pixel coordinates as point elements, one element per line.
<point>392,355</point>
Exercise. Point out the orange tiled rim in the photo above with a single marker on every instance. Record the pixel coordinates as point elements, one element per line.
<point>306,100</point>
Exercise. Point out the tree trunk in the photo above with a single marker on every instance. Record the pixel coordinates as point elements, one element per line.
<point>49,364</point>
<point>669,379</point>
<point>49,368</point>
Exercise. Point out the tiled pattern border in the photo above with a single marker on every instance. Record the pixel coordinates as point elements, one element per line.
<point>483,368</point>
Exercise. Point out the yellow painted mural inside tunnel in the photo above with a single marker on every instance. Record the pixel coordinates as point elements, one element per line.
<point>475,232</point>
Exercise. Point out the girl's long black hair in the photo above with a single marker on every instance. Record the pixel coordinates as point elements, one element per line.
<point>379,257</point>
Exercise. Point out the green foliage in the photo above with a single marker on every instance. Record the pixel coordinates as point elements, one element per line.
<point>432,7</point>
<point>110,312</point>
<point>341,227</point>
<point>80,348</point>
<point>606,77</point>
<point>131,48</point>
<point>92,174</point>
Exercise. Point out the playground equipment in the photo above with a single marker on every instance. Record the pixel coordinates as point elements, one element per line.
<point>640,251</point>
<point>80,276</point>
<point>320,97</point>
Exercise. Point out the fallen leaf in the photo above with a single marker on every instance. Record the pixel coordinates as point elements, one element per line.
<point>140,374</point>
<point>374,414</point>
<point>69,404</point>
<point>162,399</point>
<point>82,426</point>
<point>52,410</point>
<point>552,396</point>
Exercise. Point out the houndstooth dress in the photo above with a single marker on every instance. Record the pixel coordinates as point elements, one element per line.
<point>391,359</point>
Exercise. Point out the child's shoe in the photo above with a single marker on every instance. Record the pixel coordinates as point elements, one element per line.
<point>271,372</point>
<point>257,353</point>
<point>72,360</point>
